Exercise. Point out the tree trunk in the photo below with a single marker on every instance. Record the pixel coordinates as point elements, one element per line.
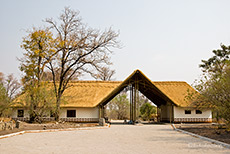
<point>57,112</point>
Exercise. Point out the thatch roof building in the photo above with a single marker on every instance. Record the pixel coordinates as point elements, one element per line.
<point>86,99</point>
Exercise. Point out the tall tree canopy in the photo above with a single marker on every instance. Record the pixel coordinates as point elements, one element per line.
<point>39,47</point>
<point>217,63</point>
<point>147,110</point>
<point>214,86</point>
<point>118,108</point>
<point>9,88</point>
<point>68,48</point>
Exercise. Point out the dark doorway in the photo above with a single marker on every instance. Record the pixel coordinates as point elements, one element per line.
<point>71,113</point>
<point>20,113</point>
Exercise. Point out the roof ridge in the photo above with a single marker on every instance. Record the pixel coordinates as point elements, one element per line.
<point>169,81</point>
<point>94,81</point>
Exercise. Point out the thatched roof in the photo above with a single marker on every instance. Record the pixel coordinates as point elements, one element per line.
<point>176,91</point>
<point>87,93</point>
<point>94,93</point>
<point>158,92</point>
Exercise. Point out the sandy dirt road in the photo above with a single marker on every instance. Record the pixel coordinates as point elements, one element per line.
<point>119,139</point>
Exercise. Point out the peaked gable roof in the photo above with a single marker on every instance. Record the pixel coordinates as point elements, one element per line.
<point>176,91</point>
<point>87,93</point>
<point>158,92</point>
<point>94,93</point>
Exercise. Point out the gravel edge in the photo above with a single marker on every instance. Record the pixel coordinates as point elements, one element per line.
<point>202,137</point>
<point>52,130</point>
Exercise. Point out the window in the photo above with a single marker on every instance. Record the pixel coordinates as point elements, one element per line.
<point>198,112</point>
<point>52,114</point>
<point>71,113</point>
<point>187,112</point>
<point>20,113</point>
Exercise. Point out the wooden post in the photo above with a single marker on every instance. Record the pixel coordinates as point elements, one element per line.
<point>103,112</point>
<point>135,101</point>
<point>99,111</point>
<point>131,103</point>
<point>170,113</point>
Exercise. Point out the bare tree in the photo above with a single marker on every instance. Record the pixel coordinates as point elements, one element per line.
<point>81,50</point>
<point>9,88</point>
<point>104,74</point>
<point>12,86</point>
<point>1,77</point>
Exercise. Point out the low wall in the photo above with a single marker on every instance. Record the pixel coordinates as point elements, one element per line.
<point>80,119</point>
<point>192,120</point>
<point>62,119</point>
<point>21,119</point>
<point>27,119</point>
<point>6,125</point>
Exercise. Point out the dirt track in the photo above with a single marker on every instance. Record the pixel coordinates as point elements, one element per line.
<point>116,139</point>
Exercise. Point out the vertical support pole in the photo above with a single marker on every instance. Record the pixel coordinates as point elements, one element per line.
<point>156,114</point>
<point>134,104</point>
<point>160,118</point>
<point>170,113</point>
<point>134,97</point>
<point>135,101</point>
<point>131,103</point>
<point>99,111</point>
<point>103,112</point>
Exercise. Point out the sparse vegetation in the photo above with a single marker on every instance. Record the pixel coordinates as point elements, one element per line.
<point>64,51</point>
<point>9,88</point>
<point>214,87</point>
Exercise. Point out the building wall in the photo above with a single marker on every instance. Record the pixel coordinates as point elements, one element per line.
<point>15,113</point>
<point>82,115</point>
<point>81,112</point>
<point>180,116</point>
<point>166,112</point>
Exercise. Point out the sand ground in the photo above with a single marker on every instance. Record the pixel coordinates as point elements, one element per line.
<point>116,139</point>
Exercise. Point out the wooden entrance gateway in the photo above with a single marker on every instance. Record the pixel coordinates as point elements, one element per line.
<point>137,81</point>
<point>85,100</point>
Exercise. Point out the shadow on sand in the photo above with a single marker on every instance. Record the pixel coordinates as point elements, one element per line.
<point>120,122</point>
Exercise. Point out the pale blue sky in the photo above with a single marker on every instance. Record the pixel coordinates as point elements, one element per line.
<point>166,39</point>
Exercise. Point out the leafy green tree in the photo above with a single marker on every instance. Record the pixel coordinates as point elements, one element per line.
<point>215,94</point>
<point>76,49</point>
<point>147,110</point>
<point>215,65</point>
<point>142,99</point>
<point>39,50</point>
<point>4,100</point>
<point>118,108</point>
<point>214,86</point>
<point>39,100</point>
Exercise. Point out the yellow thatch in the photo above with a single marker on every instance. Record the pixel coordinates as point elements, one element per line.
<point>176,91</point>
<point>87,93</point>
<point>94,93</point>
<point>158,92</point>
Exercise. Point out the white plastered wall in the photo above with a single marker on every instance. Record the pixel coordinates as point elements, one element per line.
<point>179,112</point>
<point>81,112</point>
<point>166,112</point>
<point>15,113</point>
